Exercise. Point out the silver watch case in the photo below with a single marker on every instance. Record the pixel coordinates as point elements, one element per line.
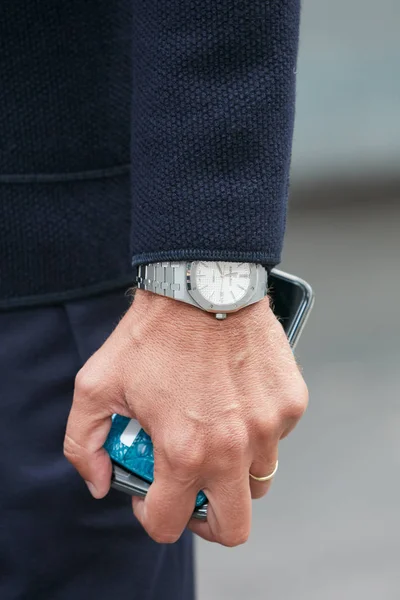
<point>257,289</point>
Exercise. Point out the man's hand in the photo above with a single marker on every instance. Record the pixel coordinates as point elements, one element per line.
<point>215,397</point>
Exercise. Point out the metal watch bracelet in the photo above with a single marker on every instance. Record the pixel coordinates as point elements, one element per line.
<point>160,278</point>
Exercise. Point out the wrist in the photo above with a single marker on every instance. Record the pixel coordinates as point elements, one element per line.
<point>178,318</point>
<point>161,309</point>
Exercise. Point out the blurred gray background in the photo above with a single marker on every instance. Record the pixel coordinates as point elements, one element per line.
<point>330,527</point>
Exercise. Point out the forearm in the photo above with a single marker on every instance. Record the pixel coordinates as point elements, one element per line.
<point>212,114</point>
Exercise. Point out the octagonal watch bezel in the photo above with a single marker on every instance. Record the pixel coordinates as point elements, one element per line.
<point>213,307</point>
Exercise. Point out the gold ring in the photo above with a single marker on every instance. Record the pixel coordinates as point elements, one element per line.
<point>267,477</point>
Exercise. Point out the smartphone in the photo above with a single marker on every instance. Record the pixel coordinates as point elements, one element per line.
<point>130,447</point>
<point>292,301</point>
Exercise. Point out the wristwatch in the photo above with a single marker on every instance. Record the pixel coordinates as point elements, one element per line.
<point>216,287</point>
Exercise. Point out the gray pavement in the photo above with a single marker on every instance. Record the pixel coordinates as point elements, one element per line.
<point>330,527</point>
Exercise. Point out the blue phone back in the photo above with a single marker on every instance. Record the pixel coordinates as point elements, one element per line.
<point>130,447</point>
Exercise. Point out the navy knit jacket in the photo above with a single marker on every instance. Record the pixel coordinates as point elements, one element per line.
<point>140,130</point>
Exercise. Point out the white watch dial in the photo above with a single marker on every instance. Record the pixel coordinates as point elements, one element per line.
<point>223,283</point>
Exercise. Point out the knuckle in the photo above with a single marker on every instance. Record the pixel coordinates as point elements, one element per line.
<point>90,384</point>
<point>83,383</point>
<point>70,456</point>
<point>191,459</point>
<point>266,428</point>
<point>72,451</point>
<point>184,459</point>
<point>304,394</point>
<point>297,404</point>
<point>293,402</point>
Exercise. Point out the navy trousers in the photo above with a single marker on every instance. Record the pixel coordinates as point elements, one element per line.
<point>56,542</point>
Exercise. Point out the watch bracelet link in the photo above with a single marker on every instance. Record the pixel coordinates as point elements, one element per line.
<point>158,278</point>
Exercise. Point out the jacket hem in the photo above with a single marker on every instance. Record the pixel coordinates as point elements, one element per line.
<point>95,289</point>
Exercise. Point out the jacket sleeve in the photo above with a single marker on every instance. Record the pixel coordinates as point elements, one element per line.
<point>212,123</point>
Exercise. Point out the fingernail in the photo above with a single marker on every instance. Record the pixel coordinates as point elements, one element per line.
<point>92,489</point>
